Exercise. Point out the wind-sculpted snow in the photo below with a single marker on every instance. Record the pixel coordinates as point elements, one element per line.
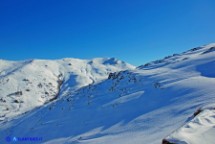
<point>199,130</point>
<point>139,106</point>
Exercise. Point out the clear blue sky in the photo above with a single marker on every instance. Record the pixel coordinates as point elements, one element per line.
<point>136,31</point>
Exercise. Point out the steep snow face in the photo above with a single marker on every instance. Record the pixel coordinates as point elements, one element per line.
<point>140,106</point>
<point>28,84</point>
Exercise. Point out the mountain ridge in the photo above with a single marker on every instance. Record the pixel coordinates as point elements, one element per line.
<point>142,105</point>
<point>44,79</point>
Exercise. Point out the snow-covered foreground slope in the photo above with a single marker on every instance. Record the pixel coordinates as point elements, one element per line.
<point>28,84</point>
<point>199,130</point>
<point>141,106</point>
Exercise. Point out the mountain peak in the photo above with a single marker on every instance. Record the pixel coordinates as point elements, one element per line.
<point>46,80</point>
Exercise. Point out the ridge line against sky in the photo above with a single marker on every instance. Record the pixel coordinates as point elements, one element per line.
<point>136,31</point>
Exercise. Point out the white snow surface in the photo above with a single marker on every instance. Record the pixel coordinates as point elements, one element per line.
<point>139,106</point>
<point>199,130</point>
<point>28,84</point>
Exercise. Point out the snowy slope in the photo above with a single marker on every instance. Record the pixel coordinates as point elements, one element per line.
<point>199,130</point>
<point>140,106</point>
<point>28,84</point>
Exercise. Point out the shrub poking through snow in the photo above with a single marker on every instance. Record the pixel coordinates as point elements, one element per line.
<point>113,75</point>
<point>26,80</point>
<point>16,101</point>
<point>18,93</point>
<point>164,141</point>
<point>212,49</point>
<point>197,112</point>
<point>40,85</point>
<point>157,85</point>
<point>2,100</point>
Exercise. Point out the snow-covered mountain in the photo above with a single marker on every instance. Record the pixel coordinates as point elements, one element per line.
<point>166,101</point>
<point>28,84</point>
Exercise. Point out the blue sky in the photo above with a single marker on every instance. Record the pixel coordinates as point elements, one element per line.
<point>136,31</point>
